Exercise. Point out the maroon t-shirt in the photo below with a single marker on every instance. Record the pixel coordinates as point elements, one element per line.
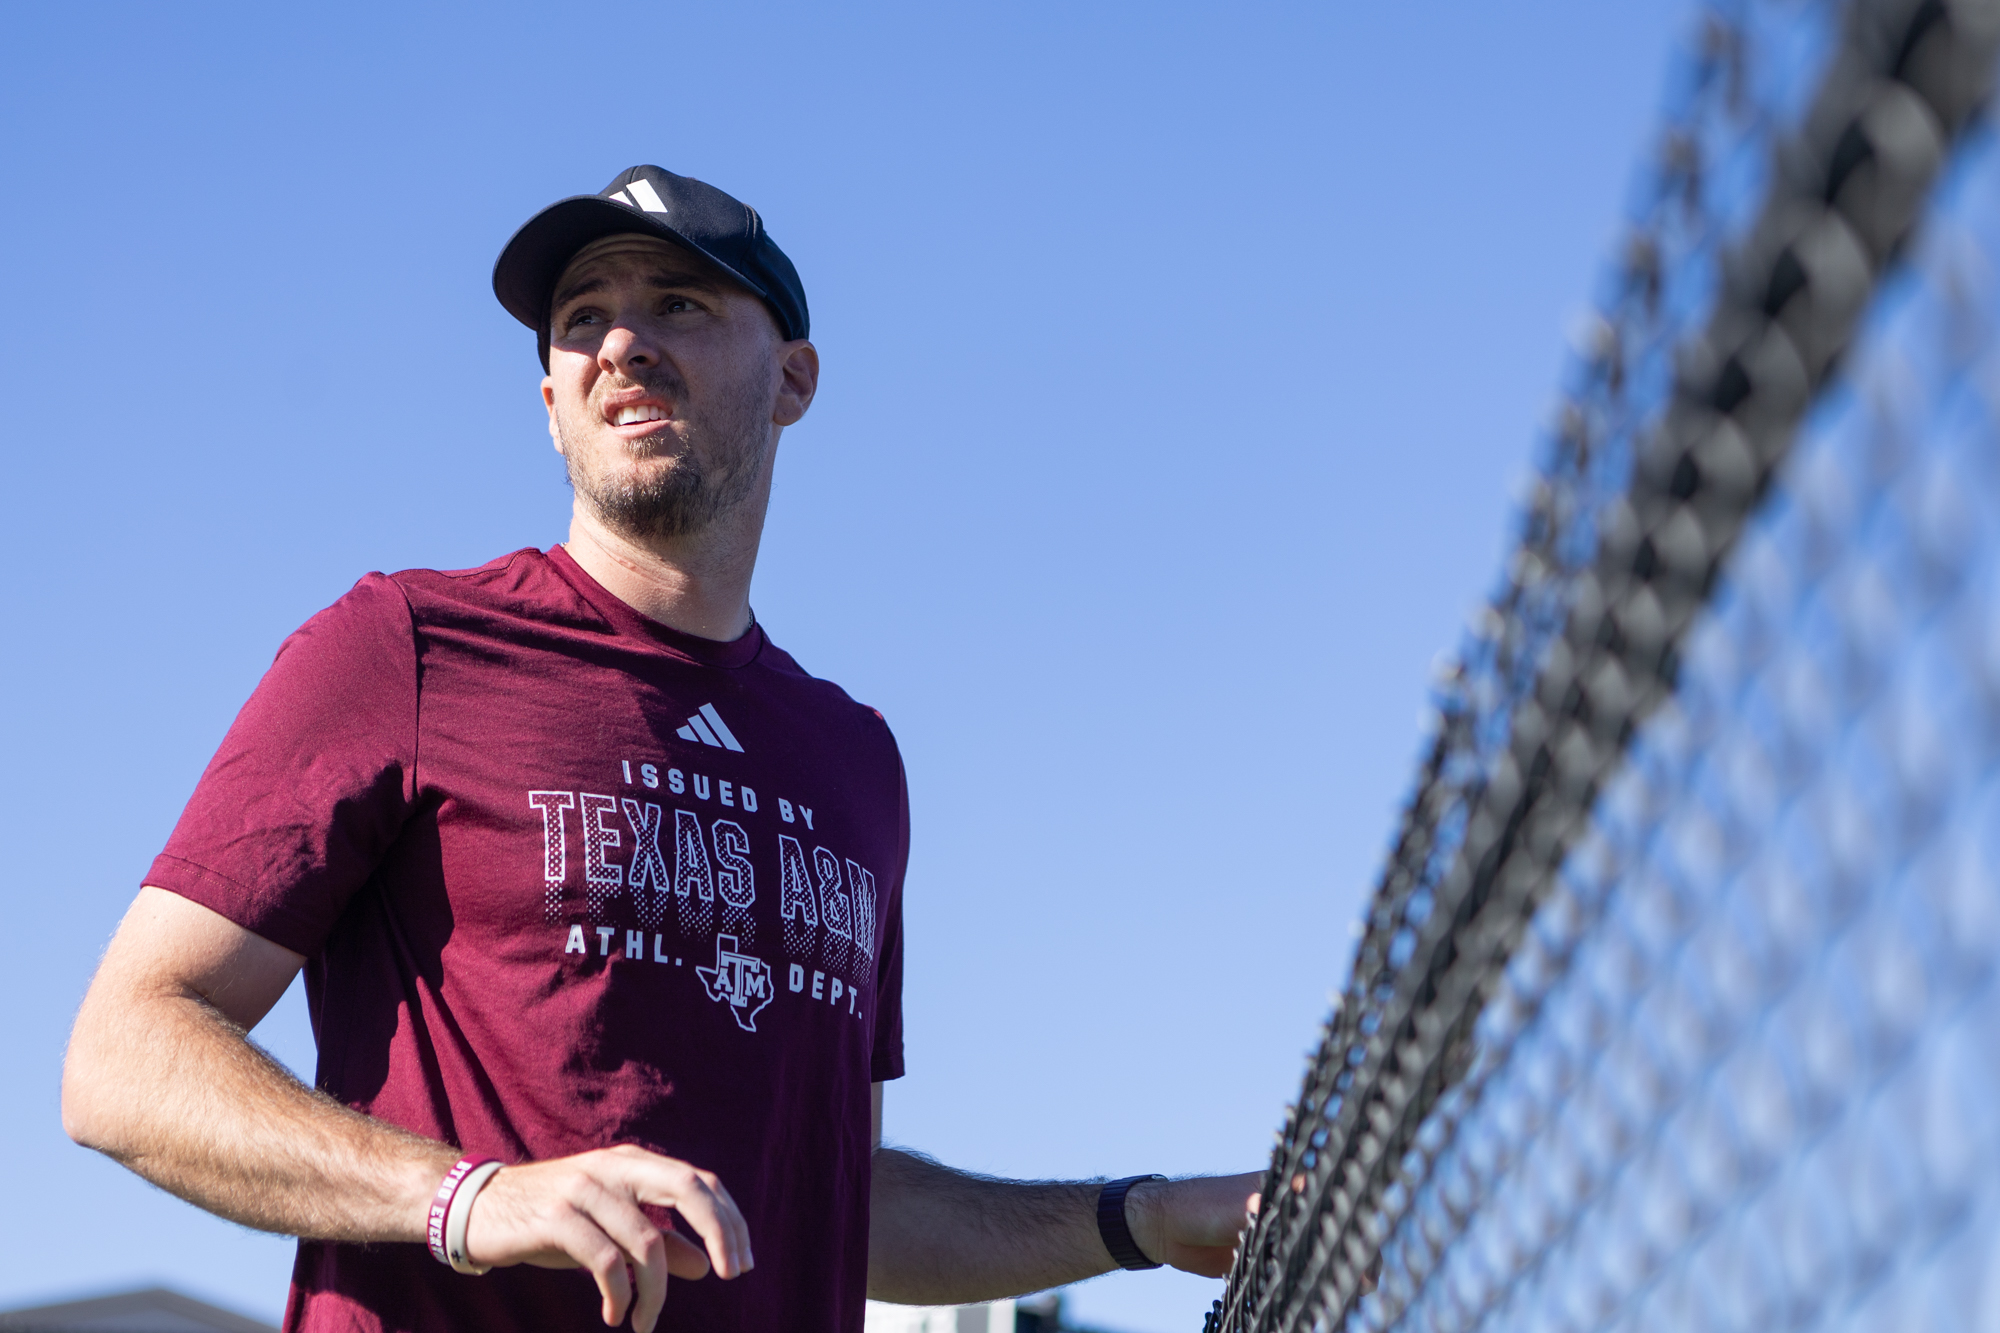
<point>568,879</point>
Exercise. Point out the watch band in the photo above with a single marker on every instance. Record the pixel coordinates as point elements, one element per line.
<point>1111,1224</point>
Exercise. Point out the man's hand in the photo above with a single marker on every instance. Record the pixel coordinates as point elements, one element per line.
<point>584,1212</point>
<point>1193,1225</point>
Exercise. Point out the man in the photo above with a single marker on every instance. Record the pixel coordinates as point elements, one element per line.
<point>587,877</point>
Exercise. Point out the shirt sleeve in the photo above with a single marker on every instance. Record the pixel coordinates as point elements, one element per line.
<point>313,782</point>
<point>886,1060</point>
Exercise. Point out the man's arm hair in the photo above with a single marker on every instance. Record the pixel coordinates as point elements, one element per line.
<point>938,1236</point>
<point>162,1076</point>
<point>943,1237</point>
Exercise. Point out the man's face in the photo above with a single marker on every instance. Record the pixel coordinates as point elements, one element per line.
<point>666,388</point>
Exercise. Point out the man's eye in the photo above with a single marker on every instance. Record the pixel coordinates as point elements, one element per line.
<point>677,304</point>
<point>580,317</point>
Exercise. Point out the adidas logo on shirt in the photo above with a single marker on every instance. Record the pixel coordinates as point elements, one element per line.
<point>707,726</point>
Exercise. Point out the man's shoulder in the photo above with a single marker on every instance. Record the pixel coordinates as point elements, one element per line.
<point>391,615</point>
<point>521,585</point>
<point>824,694</point>
<point>502,578</point>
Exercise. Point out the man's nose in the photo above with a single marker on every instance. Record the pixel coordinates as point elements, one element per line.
<point>626,349</point>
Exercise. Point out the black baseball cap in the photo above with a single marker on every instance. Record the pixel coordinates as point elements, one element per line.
<point>649,202</point>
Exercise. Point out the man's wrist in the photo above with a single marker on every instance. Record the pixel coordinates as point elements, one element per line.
<point>1145,1214</point>
<point>416,1187</point>
<point>1121,1223</point>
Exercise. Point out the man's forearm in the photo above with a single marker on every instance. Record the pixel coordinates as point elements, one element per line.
<point>174,1090</point>
<point>161,1075</point>
<point>943,1237</point>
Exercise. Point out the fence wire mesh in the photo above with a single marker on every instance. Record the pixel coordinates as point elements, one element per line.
<point>1668,1010</point>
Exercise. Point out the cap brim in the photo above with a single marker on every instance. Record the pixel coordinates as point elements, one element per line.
<point>525,274</point>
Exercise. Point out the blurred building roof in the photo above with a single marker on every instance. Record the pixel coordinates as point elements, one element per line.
<point>148,1310</point>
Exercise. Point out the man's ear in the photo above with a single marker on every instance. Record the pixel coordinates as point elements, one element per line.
<point>798,372</point>
<point>549,402</point>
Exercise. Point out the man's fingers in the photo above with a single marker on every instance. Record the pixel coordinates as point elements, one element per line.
<point>652,1294</point>
<point>732,1219</point>
<point>684,1257</point>
<point>742,1227</point>
<point>577,1235</point>
<point>642,1246</point>
<point>586,1211</point>
<point>599,1228</point>
<point>696,1195</point>
<point>715,1219</point>
<point>1206,1260</point>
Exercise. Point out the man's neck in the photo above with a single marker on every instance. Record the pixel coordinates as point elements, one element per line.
<point>698,585</point>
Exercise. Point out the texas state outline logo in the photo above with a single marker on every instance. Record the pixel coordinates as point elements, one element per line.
<point>744,983</point>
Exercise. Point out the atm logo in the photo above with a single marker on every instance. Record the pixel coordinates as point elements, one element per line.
<point>743,983</point>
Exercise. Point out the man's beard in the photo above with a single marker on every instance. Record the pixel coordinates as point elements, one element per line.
<point>688,497</point>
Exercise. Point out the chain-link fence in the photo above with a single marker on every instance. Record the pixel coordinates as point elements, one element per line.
<point>1671,1010</point>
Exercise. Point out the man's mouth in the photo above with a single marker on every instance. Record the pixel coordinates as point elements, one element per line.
<point>635,413</point>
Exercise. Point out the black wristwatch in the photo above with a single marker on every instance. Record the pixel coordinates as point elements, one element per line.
<point>1111,1224</point>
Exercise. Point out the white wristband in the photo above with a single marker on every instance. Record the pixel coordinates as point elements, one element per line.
<point>460,1213</point>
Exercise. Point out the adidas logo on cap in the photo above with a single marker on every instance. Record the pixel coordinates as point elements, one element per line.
<point>640,194</point>
<point>706,725</point>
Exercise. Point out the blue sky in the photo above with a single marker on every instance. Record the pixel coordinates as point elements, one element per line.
<point>1178,360</point>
